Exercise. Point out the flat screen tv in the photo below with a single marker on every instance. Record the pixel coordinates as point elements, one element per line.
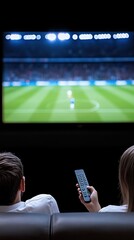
<point>67,77</point>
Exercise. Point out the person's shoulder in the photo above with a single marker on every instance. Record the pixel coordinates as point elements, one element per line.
<point>43,203</point>
<point>114,208</point>
<point>41,197</point>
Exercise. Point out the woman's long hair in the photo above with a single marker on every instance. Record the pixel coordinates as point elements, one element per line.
<point>126,177</point>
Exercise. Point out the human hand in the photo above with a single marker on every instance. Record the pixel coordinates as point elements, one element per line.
<point>93,205</point>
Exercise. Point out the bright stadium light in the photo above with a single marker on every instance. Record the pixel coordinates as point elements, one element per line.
<point>102,36</point>
<point>75,37</point>
<point>13,36</point>
<point>63,36</point>
<point>50,36</point>
<point>31,37</point>
<point>120,35</point>
<point>85,36</point>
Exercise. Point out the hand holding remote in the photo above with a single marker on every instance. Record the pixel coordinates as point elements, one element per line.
<point>83,183</point>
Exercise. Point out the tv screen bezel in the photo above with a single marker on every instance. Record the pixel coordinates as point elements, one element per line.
<point>120,126</point>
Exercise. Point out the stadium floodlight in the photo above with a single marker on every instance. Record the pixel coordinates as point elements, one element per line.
<point>63,36</point>
<point>50,36</point>
<point>85,36</point>
<point>13,36</point>
<point>120,35</point>
<point>30,37</point>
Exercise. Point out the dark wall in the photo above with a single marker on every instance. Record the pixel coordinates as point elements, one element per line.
<point>50,156</point>
<point>83,15</point>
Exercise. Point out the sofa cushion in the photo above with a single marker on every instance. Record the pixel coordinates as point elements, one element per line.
<point>94,226</point>
<point>24,226</point>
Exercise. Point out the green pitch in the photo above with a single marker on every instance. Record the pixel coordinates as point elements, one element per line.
<point>52,104</point>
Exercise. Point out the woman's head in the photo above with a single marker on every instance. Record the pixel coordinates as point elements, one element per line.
<point>11,174</point>
<point>126,177</point>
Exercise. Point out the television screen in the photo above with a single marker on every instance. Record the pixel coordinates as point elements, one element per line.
<point>67,77</point>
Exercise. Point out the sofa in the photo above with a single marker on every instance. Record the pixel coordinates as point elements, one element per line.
<point>67,226</point>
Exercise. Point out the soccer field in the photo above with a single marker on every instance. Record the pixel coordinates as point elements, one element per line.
<point>31,104</point>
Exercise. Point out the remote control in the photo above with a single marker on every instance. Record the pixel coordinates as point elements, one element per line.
<point>83,183</point>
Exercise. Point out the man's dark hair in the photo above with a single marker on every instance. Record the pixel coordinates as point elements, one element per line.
<point>11,173</point>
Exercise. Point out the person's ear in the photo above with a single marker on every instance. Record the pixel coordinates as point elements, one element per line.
<point>22,184</point>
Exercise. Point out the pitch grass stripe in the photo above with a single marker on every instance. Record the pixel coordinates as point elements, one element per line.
<point>48,102</point>
<point>68,116</point>
<point>124,98</point>
<point>85,101</point>
<point>31,98</point>
<point>115,96</point>
<point>15,97</point>
<point>128,94</point>
<point>69,111</point>
<point>103,96</point>
<point>128,89</point>
<point>97,94</point>
<point>16,94</point>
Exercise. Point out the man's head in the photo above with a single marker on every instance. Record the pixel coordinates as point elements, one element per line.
<point>11,176</point>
